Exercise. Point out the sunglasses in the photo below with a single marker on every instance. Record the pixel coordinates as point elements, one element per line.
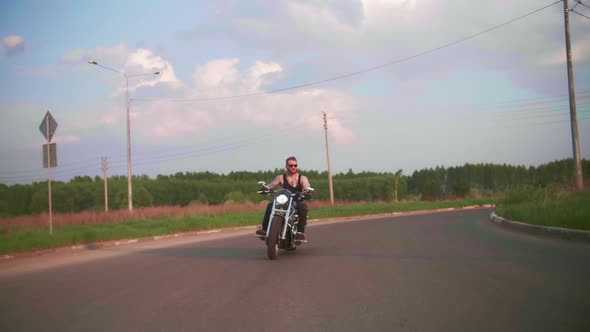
<point>292,165</point>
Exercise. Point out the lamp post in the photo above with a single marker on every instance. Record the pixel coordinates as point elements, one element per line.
<point>129,185</point>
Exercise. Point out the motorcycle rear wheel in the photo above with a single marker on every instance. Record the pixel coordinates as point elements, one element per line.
<point>273,237</point>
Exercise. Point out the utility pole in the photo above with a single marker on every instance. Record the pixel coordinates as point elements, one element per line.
<point>105,166</point>
<point>328,157</point>
<point>572,99</point>
<point>129,176</point>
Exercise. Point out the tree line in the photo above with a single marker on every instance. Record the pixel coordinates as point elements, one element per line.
<point>85,193</point>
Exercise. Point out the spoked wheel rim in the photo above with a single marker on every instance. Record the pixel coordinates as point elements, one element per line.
<point>273,237</point>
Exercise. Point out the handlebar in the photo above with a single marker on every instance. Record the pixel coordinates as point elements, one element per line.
<point>267,191</point>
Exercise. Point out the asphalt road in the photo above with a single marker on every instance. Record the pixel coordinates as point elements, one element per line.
<point>451,271</point>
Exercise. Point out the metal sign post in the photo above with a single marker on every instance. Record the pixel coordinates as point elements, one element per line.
<point>47,128</point>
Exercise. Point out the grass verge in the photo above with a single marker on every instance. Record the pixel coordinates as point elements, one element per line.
<point>541,206</point>
<point>31,239</point>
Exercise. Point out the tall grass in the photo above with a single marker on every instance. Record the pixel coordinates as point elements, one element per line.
<point>552,206</point>
<point>145,213</point>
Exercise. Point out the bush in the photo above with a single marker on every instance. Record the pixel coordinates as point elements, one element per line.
<point>236,196</point>
<point>535,194</point>
<point>520,194</point>
<point>461,189</point>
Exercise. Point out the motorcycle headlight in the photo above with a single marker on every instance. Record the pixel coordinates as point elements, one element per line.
<point>281,199</point>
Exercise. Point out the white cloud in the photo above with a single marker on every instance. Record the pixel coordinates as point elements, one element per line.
<point>379,12</point>
<point>255,78</point>
<point>378,31</point>
<point>216,77</point>
<point>135,64</point>
<point>221,78</point>
<point>12,41</point>
<point>321,16</point>
<point>13,45</point>
<point>144,61</point>
<point>173,120</point>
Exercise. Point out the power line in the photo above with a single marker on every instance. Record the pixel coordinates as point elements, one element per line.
<point>577,3</point>
<point>215,148</point>
<point>224,145</point>
<point>526,103</point>
<point>525,109</point>
<point>359,72</point>
<point>479,127</point>
<point>239,142</point>
<point>511,110</point>
<point>505,121</point>
<point>575,12</point>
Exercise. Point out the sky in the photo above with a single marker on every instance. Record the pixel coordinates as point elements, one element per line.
<point>243,85</point>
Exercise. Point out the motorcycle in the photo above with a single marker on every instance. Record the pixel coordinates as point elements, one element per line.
<point>282,226</point>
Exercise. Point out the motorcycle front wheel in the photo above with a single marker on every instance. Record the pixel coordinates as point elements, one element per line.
<point>273,237</point>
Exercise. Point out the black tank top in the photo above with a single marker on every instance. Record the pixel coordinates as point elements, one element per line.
<point>288,186</point>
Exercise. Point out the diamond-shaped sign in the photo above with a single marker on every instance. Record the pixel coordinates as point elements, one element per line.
<point>48,126</point>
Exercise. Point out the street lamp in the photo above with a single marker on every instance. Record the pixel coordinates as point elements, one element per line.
<point>129,185</point>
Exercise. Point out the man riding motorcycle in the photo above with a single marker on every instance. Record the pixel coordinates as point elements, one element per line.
<point>294,182</point>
